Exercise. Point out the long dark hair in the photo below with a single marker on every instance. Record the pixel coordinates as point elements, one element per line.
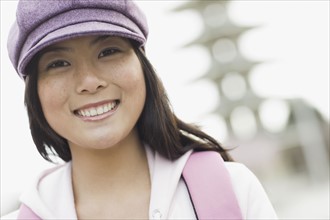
<point>158,126</point>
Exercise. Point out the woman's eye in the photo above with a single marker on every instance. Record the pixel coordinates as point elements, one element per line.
<point>57,64</point>
<point>108,52</point>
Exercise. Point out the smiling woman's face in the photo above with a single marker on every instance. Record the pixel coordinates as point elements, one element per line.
<point>92,90</point>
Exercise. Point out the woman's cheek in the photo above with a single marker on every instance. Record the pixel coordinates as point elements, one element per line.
<point>52,93</point>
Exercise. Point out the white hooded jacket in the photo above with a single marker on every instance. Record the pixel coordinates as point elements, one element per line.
<point>52,196</point>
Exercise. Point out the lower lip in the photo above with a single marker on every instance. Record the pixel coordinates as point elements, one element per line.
<point>99,117</point>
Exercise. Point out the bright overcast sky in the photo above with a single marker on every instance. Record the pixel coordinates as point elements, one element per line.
<point>293,35</point>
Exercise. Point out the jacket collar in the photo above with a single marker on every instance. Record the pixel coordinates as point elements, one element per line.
<point>51,197</point>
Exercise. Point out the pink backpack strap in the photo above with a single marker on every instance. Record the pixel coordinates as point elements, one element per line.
<point>210,187</point>
<point>26,213</point>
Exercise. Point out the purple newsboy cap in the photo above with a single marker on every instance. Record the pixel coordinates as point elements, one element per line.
<point>40,23</point>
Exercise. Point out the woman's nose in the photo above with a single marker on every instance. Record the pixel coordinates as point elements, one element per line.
<point>89,80</point>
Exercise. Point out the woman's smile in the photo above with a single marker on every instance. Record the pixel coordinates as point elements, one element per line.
<point>97,111</point>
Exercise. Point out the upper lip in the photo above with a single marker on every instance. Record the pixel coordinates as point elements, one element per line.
<point>95,104</point>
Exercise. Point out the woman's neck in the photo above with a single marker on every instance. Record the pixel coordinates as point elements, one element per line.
<point>110,176</point>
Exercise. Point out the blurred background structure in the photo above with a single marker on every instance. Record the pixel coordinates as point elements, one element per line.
<point>284,141</point>
<point>200,51</point>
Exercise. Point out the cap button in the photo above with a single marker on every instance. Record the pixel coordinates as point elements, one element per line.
<point>156,214</point>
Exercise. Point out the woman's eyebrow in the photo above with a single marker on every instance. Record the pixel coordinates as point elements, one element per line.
<point>55,49</point>
<point>61,48</point>
<point>98,39</point>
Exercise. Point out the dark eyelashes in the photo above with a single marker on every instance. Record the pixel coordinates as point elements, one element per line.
<point>108,52</point>
<point>57,63</point>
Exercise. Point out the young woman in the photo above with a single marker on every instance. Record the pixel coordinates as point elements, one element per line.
<point>95,101</point>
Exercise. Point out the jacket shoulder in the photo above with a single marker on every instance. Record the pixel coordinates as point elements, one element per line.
<point>250,193</point>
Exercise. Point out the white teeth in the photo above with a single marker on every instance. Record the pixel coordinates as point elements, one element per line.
<point>97,111</point>
<point>87,113</point>
<point>93,112</point>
